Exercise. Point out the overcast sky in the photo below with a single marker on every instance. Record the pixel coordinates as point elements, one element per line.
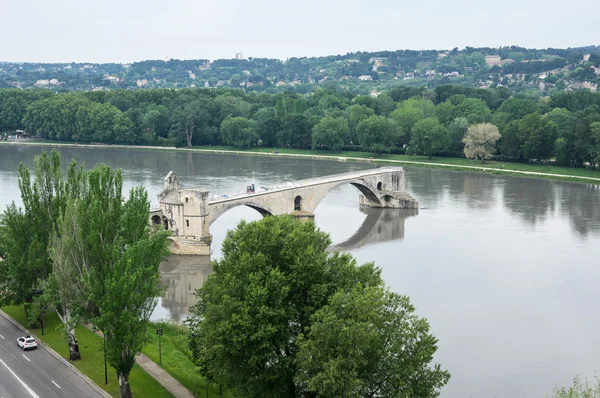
<point>135,30</point>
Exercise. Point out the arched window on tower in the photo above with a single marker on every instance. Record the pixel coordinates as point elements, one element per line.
<point>298,203</point>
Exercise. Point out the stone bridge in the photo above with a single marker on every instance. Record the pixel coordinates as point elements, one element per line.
<point>190,212</point>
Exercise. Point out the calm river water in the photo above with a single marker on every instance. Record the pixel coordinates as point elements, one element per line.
<point>505,269</point>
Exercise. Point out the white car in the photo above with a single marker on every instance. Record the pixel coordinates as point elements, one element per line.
<point>27,343</point>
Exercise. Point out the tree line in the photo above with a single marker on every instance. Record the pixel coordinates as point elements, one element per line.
<point>564,126</point>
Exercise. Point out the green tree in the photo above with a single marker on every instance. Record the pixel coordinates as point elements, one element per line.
<point>118,264</point>
<point>261,297</point>
<point>296,130</point>
<point>330,132</point>
<point>355,114</point>
<point>480,141</point>
<point>239,131</point>
<point>65,290</point>
<point>26,232</point>
<point>131,290</point>
<point>456,132</point>
<point>532,137</point>
<point>445,111</point>
<point>474,110</point>
<point>268,125</point>
<point>188,118</point>
<point>428,137</point>
<point>369,343</point>
<point>409,112</point>
<point>377,133</point>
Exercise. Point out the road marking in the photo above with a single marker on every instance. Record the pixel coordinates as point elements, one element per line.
<point>29,390</point>
<point>26,358</point>
<point>55,383</point>
<point>2,337</point>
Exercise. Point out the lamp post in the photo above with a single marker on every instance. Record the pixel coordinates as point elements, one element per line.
<point>105,369</point>
<point>159,332</point>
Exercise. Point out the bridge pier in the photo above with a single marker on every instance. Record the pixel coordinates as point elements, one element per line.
<point>188,213</point>
<point>303,215</point>
<point>392,200</point>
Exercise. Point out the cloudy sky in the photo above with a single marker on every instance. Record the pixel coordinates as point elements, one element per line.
<point>134,30</point>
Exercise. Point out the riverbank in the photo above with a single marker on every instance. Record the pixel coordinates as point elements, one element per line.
<point>493,167</point>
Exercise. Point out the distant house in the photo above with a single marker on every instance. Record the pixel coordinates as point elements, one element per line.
<point>409,75</point>
<point>430,72</point>
<point>112,79</point>
<point>375,93</point>
<point>492,60</point>
<point>141,83</point>
<point>443,55</point>
<point>365,77</point>
<point>377,63</point>
<point>280,83</point>
<point>452,74</point>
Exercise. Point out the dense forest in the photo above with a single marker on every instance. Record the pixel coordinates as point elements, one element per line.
<point>563,128</point>
<point>523,70</point>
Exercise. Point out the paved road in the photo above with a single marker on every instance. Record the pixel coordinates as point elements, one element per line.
<point>36,373</point>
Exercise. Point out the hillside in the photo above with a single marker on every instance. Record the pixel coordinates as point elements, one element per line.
<point>532,71</point>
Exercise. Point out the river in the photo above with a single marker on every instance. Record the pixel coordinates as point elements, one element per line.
<point>504,268</point>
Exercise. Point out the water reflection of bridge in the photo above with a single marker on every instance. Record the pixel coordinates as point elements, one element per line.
<point>182,275</point>
<point>381,225</point>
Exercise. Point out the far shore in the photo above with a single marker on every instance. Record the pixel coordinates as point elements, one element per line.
<point>494,167</point>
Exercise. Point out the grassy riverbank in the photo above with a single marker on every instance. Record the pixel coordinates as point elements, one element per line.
<point>418,160</point>
<point>176,356</point>
<point>494,167</point>
<point>92,362</point>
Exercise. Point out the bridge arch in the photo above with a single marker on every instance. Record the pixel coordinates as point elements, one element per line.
<point>367,191</point>
<point>217,211</point>
<point>374,198</point>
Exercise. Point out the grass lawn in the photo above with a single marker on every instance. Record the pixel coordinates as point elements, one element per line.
<point>176,357</point>
<point>92,354</point>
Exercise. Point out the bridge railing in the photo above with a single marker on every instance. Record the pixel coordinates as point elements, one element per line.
<point>303,183</point>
